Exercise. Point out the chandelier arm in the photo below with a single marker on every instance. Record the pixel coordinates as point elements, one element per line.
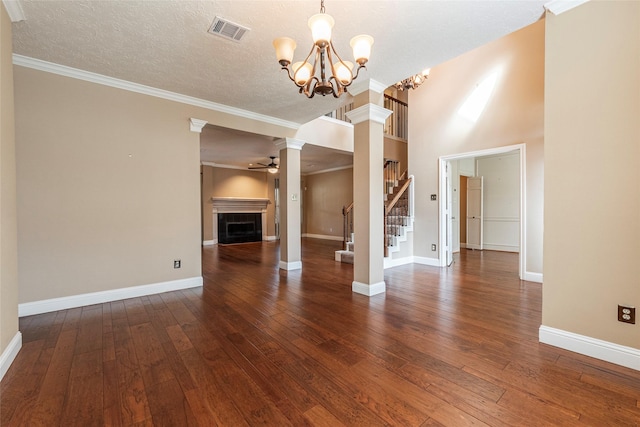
<point>357,72</point>
<point>335,52</point>
<point>341,87</point>
<point>309,90</point>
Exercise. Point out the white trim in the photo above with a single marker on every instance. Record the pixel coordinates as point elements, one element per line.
<point>9,354</point>
<point>223,166</point>
<point>368,290</point>
<point>335,121</point>
<point>593,347</point>
<point>364,85</point>
<point>523,198</point>
<point>210,242</point>
<point>559,6</point>
<point>270,238</point>
<point>322,236</point>
<point>295,265</point>
<point>328,170</point>
<point>433,262</point>
<point>500,247</point>
<point>532,277</point>
<point>293,143</point>
<point>391,262</point>
<point>15,12</point>
<point>196,125</point>
<point>63,303</point>
<point>62,70</point>
<point>371,112</point>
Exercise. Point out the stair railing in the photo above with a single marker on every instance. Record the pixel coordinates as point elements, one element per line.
<point>347,230</point>
<point>391,175</point>
<point>396,125</point>
<point>396,212</point>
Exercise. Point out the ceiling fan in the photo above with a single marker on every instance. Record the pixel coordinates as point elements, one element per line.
<point>272,167</point>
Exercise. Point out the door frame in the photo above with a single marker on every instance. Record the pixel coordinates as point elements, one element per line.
<point>442,162</point>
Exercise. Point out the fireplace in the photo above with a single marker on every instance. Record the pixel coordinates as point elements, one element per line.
<point>237,220</point>
<point>239,227</point>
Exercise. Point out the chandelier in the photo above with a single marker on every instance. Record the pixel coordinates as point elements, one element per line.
<point>335,75</point>
<point>413,81</point>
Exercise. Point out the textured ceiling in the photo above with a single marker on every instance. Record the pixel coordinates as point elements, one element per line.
<point>165,44</point>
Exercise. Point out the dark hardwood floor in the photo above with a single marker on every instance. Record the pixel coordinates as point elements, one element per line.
<point>260,346</point>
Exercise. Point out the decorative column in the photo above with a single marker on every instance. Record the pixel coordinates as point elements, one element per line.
<point>368,118</point>
<point>290,224</point>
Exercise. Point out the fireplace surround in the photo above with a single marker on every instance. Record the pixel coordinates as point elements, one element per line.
<point>238,220</point>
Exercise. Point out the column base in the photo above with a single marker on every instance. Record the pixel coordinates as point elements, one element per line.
<point>295,265</point>
<point>368,290</point>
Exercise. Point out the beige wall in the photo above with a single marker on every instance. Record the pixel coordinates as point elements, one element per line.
<point>513,115</point>
<point>225,182</point>
<point>108,185</point>
<point>8,224</point>
<point>324,196</point>
<point>592,153</point>
<point>396,150</point>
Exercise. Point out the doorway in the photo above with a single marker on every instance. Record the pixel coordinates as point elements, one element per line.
<point>446,214</point>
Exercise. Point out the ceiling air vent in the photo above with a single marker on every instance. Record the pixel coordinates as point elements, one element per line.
<point>227,29</point>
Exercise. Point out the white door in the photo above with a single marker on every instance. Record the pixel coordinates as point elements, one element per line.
<point>474,213</point>
<point>448,215</point>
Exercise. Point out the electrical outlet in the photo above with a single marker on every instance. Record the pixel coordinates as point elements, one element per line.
<point>177,263</point>
<point>433,247</point>
<point>434,197</point>
<point>627,314</point>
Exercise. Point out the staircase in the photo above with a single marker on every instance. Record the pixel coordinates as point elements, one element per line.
<point>398,217</point>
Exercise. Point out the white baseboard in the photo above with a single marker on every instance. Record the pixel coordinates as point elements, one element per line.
<point>270,238</point>
<point>209,242</point>
<point>391,262</point>
<point>433,262</point>
<point>368,290</point>
<point>63,303</point>
<point>532,277</point>
<point>9,354</point>
<point>295,265</point>
<point>501,248</point>
<point>603,350</point>
<point>323,236</point>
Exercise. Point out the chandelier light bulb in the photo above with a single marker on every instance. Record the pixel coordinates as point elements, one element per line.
<point>301,72</point>
<point>285,47</point>
<point>342,71</point>
<point>361,46</point>
<point>321,25</point>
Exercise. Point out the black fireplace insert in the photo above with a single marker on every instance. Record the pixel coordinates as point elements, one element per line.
<point>239,227</point>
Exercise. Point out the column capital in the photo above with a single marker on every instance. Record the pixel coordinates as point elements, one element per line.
<point>196,125</point>
<point>359,87</point>
<point>372,112</point>
<point>294,143</point>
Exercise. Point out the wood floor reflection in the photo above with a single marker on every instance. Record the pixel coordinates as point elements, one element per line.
<point>260,346</point>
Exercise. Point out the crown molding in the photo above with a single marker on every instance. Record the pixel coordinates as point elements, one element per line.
<point>365,85</point>
<point>63,70</point>
<point>559,6</point>
<point>223,166</point>
<point>372,112</point>
<point>294,143</point>
<point>14,10</point>
<point>196,125</point>
<point>328,170</point>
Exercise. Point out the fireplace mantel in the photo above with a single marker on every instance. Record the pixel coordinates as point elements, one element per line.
<point>238,205</point>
